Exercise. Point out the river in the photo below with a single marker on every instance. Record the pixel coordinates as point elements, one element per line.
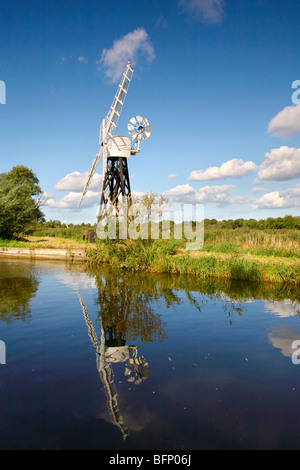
<point>105,359</point>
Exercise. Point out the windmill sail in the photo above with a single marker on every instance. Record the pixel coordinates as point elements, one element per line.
<point>91,174</point>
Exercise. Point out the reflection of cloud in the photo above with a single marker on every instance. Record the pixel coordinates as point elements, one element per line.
<point>76,280</point>
<point>284,308</point>
<point>282,337</point>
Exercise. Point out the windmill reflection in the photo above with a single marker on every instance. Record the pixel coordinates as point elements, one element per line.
<point>127,304</point>
<point>110,350</point>
<point>105,370</point>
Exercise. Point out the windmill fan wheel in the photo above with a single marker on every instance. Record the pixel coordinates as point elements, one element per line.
<point>139,128</point>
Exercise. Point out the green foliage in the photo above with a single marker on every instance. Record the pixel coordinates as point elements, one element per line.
<point>21,174</point>
<point>18,206</point>
<point>54,228</point>
<point>264,243</point>
<point>286,222</point>
<point>147,256</point>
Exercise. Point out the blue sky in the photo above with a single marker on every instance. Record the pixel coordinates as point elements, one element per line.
<point>213,77</point>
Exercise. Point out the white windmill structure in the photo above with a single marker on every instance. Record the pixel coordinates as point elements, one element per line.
<point>117,149</point>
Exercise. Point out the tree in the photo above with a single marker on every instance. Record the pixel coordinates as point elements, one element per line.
<point>21,174</point>
<point>152,206</point>
<point>289,222</point>
<point>20,201</point>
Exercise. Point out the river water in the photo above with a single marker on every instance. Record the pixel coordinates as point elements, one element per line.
<point>104,359</point>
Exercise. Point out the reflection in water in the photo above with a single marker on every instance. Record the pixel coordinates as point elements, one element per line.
<point>127,305</point>
<point>285,308</point>
<point>105,370</point>
<point>143,289</point>
<point>18,285</point>
<point>131,310</point>
<point>282,337</point>
<point>112,349</point>
<point>127,310</point>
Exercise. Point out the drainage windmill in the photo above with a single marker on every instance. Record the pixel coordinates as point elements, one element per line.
<point>116,150</point>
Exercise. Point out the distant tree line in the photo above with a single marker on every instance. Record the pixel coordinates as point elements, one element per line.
<point>286,222</point>
<point>58,224</point>
<point>21,199</point>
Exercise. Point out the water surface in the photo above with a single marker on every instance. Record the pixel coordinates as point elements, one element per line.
<point>111,360</point>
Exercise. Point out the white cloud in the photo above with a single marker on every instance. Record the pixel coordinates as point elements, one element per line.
<point>186,194</point>
<point>70,201</point>
<point>286,123</point>
<point>280,165</point>
<point>48,199</point>
<point>258,190</point>
<point>137,194</point>
<point>279,199</point>
<point>128,48</point>
<point>208,11</point>
<point>82,60</point>
<point>230,169</point>
<point>172,176</point>
<point>76,181</point>
<point>181,193</point>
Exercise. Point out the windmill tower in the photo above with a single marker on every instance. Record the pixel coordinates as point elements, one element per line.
<point>116,150</point>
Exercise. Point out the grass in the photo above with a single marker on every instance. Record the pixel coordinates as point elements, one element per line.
<point>15,243</point>
<point>242,253</point>
<point>170,257</point>
<point>43,242</point>
<point>73,233</point>
<point>283,243</point>
<point>275,243</point>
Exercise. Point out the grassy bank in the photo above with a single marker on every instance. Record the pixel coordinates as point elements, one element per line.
<point>170,256</point>
<point>241,253</point>
<point>34,242</point>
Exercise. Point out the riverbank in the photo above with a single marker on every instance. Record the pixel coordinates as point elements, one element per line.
<point>44,253</point>
<point>39,248</point>
<point>249,258</point>
<point>165,257</point>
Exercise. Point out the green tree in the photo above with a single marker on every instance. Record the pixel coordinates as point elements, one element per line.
<point>20,201</point>
<point>289,221</point>
<point>21,174</point>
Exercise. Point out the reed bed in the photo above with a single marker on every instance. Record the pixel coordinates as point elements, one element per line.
<point>169,257</point>
<point>277,243</point>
